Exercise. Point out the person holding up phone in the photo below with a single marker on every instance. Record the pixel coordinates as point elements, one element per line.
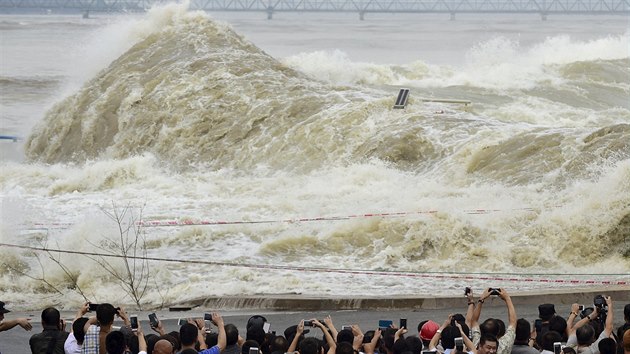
<point>98,327</point>
<point>54,335</point>
<point>506,341</point>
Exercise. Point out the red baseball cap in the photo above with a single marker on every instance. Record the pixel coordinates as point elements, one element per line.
<point>428,330</point>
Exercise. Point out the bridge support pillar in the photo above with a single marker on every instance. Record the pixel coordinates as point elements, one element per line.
<point>452,16</point>
<point>543,16</point>
<point>361,15</point>
<point>269,13</point>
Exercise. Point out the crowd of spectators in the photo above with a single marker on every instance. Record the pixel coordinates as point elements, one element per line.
<point>584,331</point>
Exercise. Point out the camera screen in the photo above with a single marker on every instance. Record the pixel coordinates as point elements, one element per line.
<point>134,322</point>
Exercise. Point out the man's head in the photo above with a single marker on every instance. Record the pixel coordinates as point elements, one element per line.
<point>607,346</point>
<point>344,348</point>
<point>523,330</point>
<point>414,344</point>
<point>488,344</point>
<point>345,335</point>
<point>310,345</point>
<point>115,342</point>
<point>51,317</point>
<point>493,326</point>
<point>163,346</point>
<point>188,334</point>
<point>585,334</point>
<point>546,311</point>
<point>279,343</point>
<point>547,340</point>
<point>231,334</point>
<point>105,314</point>
<point>449,333</point>
<point>558,324</point>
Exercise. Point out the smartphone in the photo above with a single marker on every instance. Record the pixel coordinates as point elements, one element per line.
<point>134,322</point>
<point>92,307</point>
<point>459,344</point>
<point>153,320</point>
<point>538,325</point>
<point>403,323</point>
<point>182,321</point>
<point>467,291</point>
<point>494,291</point>
<point>308,323</point>
<point>382,324</point>
<point>557,347</point>
<point>253,350</point>
<point>266,327</point>
<point>207,317</point>
<point>346,327</point>
<point>581,308</point>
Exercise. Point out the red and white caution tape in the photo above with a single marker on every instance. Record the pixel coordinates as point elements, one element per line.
<point>189,222</point>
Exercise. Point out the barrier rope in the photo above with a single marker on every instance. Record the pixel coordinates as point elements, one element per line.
<point>507,277</point>
<point>186,222</point>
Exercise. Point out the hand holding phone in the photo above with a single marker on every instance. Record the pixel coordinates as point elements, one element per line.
<point>403,323</point>
<point>92,307</point>
<point>153,320</point>
<point>133,319</point>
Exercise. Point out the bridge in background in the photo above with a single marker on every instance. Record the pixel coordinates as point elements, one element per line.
<point>362,7</point>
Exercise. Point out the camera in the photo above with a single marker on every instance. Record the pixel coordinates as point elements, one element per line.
<point>494,291</point>
<point>599,301</point>
<point>383,324</point>
<point>581,308</point>
<point>207,317</point>
<point>459,344</point>
<point>602,308</point>
<point>308,323</point>
<point>92,307</point>
<point>557,347</point>
<point>133,319</point>
<point>153,320</point>
<point>538,325</point>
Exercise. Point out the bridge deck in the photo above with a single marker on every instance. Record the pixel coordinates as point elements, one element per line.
<point>357,6</point>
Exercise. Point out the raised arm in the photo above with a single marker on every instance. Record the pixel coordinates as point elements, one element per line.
<point>329,323</point>
<point>470,307</point>
<point>503,294</point>
<point>201,332</point>
<point>474,322</point>
<point>370,348</point>
<point>609,318</point>
<point>438,334</point>
<point>85,308</point>
<point>298,332</point>
<point>358,337</point>
<point>332,345</point>
<point>469,344</point>
<point>572,316</point>
<point>222,340</point>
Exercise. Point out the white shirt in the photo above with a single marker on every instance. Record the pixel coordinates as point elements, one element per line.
<point>71,346</point>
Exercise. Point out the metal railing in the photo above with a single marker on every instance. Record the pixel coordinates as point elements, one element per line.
<point>356,6</point>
